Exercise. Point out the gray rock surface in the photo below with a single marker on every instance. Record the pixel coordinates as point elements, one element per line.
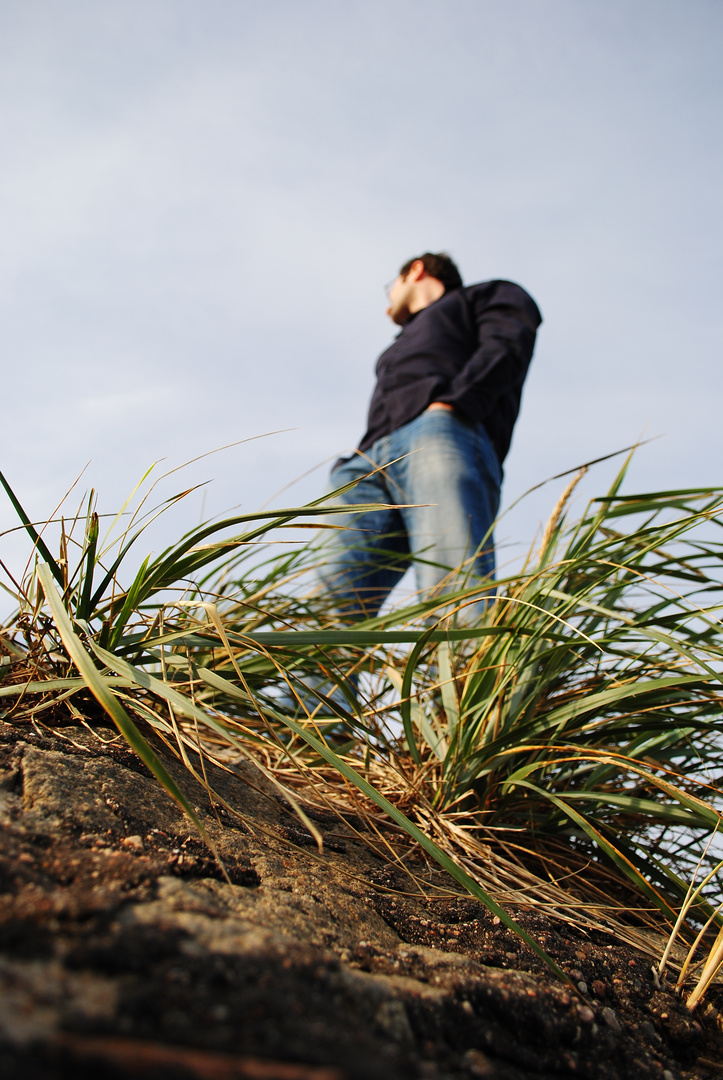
<point>124,951</point>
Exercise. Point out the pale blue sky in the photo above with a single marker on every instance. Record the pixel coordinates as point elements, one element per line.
<point>202,200</point>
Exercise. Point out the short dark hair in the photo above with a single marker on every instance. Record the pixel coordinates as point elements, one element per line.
<point>439,266</point>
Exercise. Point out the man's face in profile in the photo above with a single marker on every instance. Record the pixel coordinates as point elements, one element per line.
<point>399,295</point>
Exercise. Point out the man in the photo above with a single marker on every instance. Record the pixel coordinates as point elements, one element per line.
<point>440,423</point>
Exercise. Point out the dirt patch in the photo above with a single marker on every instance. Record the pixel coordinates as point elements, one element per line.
<point>126,952</point>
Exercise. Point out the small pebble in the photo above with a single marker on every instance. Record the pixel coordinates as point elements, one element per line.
<point>598,988</point>
<point>586,1014</point>
<point>576,975</point>
<point>582,986</point>
<point>649,1031</point>
<point>477,1064</point>
<point>611,1019</point>
<point>134,843</point>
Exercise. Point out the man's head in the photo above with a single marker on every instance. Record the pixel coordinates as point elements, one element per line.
<point>420,282</point>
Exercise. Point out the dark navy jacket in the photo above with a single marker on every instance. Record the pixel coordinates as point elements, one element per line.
<point>471,349</point>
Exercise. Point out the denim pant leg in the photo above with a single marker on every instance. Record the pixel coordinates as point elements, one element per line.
<point>452,469</point>
<point>367,553</point>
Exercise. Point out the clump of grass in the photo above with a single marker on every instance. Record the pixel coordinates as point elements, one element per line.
<point>559,750</point>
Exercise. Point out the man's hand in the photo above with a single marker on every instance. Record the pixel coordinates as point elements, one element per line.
<point>440,405</point>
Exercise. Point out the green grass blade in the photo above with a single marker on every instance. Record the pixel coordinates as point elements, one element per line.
<point>405,706</point>
<point>112,571</point>
<point>447,688</point>
<point>616,856</point>
<point>89,557</point>
<point>129,605</point>
<point>33,533</point>
<point>633,805</point>
<point>617,696</point>
<point>102,693</point>
<point>48,685</point>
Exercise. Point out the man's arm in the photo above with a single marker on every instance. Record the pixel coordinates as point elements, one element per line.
<point>506,320</point>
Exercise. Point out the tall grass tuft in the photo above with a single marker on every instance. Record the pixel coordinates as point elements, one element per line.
<point>558,749</point>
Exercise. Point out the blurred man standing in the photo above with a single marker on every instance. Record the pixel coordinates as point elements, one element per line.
<point>440,424</point>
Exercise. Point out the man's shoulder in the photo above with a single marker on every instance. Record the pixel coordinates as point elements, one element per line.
<point>503,292</point>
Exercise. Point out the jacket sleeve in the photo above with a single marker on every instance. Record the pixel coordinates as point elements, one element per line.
<point>505,319</point>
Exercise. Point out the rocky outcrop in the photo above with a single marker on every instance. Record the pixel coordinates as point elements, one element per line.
<point>125,952</point>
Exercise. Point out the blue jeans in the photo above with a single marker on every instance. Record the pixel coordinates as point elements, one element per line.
<point>441,461</point>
